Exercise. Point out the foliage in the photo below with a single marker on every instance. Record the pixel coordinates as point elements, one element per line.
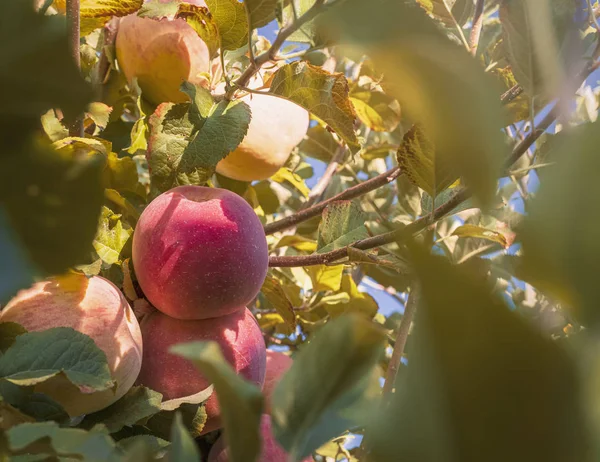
<point>430,191</point>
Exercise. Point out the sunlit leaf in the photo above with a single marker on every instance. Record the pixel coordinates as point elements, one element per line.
<point>230,18</point>
<point>480,233</point>
<point>343,223</point>
<point>286,175</point>
<point>260,12</point>
<point>112,237</point>
<point>202,22</point>
<point>376,110</point>
<point>325,277</point>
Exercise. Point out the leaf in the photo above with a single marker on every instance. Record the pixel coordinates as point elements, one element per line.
<point>96,13</point>
<point>307,33</point>
<point>343,223</point>
<point>418,158</point>
<point>480,233</point>
<point>26,64</point>
<point>260,12</point>
<point>325,95</point>
<point>560,245</point>
<point>241,402</point>
<point>93,446</point>
<point>158,9</point>
<point>319,144</point>
<point>230,17</point>
<point>99,114</point>
<point>325,277</point>
<point>200,19</point>
<point>151,442</point>
<point>137,404</point>
<point>357,301</point>
<point>53,204</point>
<point>187,141</point>
<point>112,237</point>
<point>277,297</point>
<point>376,110</point>
<point>53,127</point>
<point>297,242</point>
<point>38,356</point>
<point>328,388</point>
<point>121,174</point>
<point>449,11</point>
<point>9,331</point>
<point>475,370</point>
<point>435,81</point>
<point>10,416</point>
<point>34,404</point>
<point>182,448</point>
<point>284,174</point>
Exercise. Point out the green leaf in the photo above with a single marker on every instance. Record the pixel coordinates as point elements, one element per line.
<point>356,301</point>
<point>325,277</point>
<point>183,447</point>
<point>418,158</point>
<point>449,11</point>
<point>328,388</point>
<point>230,17</point>
<point>306,33</point>
<point>480,233</point>
<point>10,416</point>
<point>34,404</point>
<point>323,94</point>
<point>9,331</point>
<point>53,127</point>
<point>93,446</point>
<point>112,237</point>
<point>137,404</point>
<point>151,442</point>
<point>277,297</point>
<point>475,370</point>
<point>200,19</point>
<point>241,402</point>
<point>284,174</point>
<point>435,81</point>
<point>121,174</point>
<point>376,110</point>
<point>42,51</point>
<point>561,249</point>
<point>53,203</point>
<point>319,144</point>
<point>38,356</point>
<point>157,9</point>
<point>343,223</point>
<point>260,12</point>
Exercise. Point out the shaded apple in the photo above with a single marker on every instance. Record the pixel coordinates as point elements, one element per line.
<point>161,54</point>
<point>270,452</point>
<point>238,335</point>
<point>199,252</point>
<point>277,364</point>
<point>95,307</point>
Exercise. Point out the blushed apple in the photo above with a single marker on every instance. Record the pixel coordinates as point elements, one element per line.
<point>199,252</point>
<point>95,307</point>
<point>238,335</point>
<point>277,364</point>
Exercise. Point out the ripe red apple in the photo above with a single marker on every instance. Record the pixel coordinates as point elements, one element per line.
<point>94,307</point>
<point>161,54</point>
<point>271,451</point>
<point>238,335</point>
<point>199,252</point>
<point>277,364</point>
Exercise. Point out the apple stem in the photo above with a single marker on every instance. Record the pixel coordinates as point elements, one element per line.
<point>73,25</point>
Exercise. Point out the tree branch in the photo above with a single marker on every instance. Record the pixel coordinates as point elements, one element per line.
<point>269,55</point>
<point>73,24</point>
<point>477,26</point>
<point>350,193</point>
<point>401,338</point>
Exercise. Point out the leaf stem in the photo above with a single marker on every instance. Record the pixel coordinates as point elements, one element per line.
<point>476,27</point>
<point>73,24</point>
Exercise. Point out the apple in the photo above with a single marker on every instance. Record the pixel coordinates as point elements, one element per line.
<point>277,364</point>
<point>270,452</point>
<point>95,307</point>
<point>199,252</point>
<point>161,54</point>
<point>238,335</point>
<point>276,127</point>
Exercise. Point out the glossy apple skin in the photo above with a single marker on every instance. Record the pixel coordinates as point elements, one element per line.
<point>238,335</point>
<point>271,451</point>
<point>277,364</point>
<point>199,252</point>
<point>95,307</point>
<point>161,54</point>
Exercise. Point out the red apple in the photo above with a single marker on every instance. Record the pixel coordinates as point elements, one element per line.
<point>277,364</point>
<point>238,335</point>
<point>199,252</point>
<point>94,307</point>
<point>271,451</point>
<point>161,54</point>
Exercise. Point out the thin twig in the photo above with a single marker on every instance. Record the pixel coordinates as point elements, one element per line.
<point>477,26</point>
<point>73,24</point>
<point>409,313</point>
<point>350,193</point>
<point>319,189</point>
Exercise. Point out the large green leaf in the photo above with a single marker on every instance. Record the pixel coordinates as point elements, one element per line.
<point>260,12</point>
<point>329,388</point>
<point>481,381</point>
<point>230,17</point>
<point>343,223</point>
<point>241,402</point>
<point>325,95</point>
<point>437,83</point>
<point>183,447</point>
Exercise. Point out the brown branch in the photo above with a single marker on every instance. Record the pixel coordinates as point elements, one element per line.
<point>476,28</point>
<point>401,338</point>
<point>350,193</point>
<point>270,55</point>
<point>73,24</point>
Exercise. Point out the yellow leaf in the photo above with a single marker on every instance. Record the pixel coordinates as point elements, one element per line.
<point>325,277</point>
<point>286,175</point>
<point>481,233</point>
